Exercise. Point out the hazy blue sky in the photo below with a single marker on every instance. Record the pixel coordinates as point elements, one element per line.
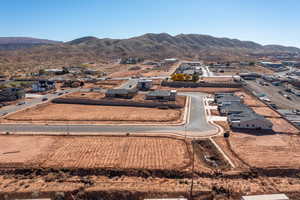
<point>263,21</point>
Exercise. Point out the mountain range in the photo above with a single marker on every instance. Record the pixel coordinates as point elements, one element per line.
<point>152,46</point>
<point>13,43</point>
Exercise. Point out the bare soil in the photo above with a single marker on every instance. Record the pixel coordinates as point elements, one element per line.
<point>94,152</point>
<point>250,100</point>
<point>180,100</point>
<point>263,150</point>
<point>93,113</point>
<point>106,84</point>
<point>266,111</point>
<point>281,125</point>
<point>218,79</point>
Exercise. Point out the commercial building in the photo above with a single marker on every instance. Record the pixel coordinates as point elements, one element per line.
<point>166,95</point>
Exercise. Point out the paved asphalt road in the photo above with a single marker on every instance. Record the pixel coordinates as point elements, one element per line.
<point>33,101</point>
<point>197,125</point>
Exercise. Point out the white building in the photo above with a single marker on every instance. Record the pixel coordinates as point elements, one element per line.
<point>266,197</point>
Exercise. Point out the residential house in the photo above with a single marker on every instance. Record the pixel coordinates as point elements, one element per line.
<point>249,120</point>
<point>144,84</point>
<point>223,100</point>
<point>167,95</point>
<point>121,93</point>
<point>11,94</point>
<point>43,85</point>
<point>233,108</point>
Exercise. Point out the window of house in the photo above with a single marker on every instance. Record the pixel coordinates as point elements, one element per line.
<point>247,125</point>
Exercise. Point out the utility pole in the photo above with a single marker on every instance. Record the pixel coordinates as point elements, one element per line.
<point>193,167</point>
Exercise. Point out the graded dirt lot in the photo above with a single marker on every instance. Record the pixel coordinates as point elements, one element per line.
<point>250,100</point>
<point>263,149</point>
<point>218,79</point>
<point>22,150</point>
<point>106,84</point>
<point>119,152</point>
<point>266,111</point>
<point>276,150</point>
<point>51,112</point>
<point>141,167</point>
<point>180,100</point>
<point>94,152</point>
<point>281,125</point>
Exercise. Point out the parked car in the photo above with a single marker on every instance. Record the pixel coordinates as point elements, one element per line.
<point>21,103</point>
<point>5,113</point>
<point>273,105</point>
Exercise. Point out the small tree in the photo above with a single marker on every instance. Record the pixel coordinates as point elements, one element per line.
<point>195,77</point>
<point>42,72</point>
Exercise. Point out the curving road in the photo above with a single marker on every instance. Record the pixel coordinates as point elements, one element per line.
<point>197,124</point>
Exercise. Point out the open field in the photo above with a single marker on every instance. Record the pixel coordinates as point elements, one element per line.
<point>94,152</point>
<point>51,112</point>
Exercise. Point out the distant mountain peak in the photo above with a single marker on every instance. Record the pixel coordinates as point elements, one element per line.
<point>83,40</point>
<point>13,43</point>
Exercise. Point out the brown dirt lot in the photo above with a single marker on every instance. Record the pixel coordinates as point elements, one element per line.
<point>119,152</point>
<point>279,150</point>
<point>51,112</point>
<point>280,125</point>
<point>180,100</point>
<point>250,100</point>
<point>94,152</point>
<point>218,80</point>
<point>266,111</point>
<point>20,150</point>
<point>107,84</point>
